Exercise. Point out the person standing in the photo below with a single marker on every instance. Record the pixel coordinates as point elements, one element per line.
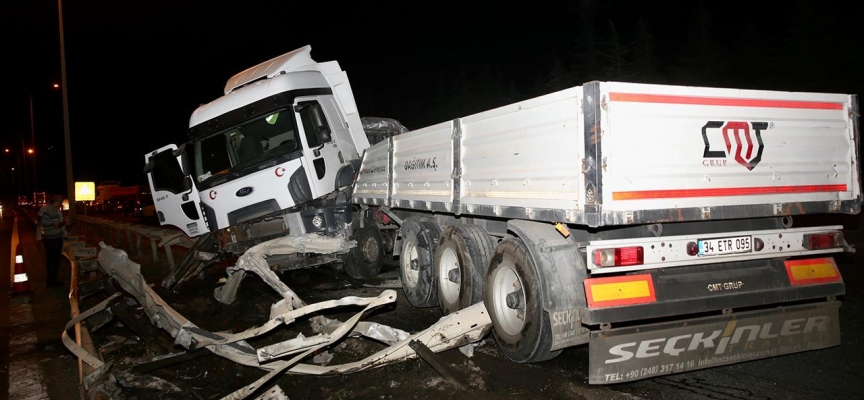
<point>51,230</point>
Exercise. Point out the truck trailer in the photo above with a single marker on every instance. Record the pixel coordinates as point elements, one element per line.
<point>654,223</point>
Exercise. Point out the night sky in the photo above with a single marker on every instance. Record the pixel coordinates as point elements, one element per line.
<point>137,69</point>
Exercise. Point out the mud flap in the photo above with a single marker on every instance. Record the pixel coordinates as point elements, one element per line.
<point>646,351</point>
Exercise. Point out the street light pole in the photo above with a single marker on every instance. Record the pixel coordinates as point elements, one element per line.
<point>15,183</point>
<point>33,141</point>
<point>24,156</point>
<point>70,184</point>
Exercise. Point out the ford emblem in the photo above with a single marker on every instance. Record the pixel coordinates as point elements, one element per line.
<point>244,191</point>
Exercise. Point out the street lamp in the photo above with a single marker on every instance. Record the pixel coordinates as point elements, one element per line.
<point>32,140</point>
<point>32,149</point>
<point>70,184</point>
<point>22,164</point>
<point>23,155</point>
<point>16,182</point>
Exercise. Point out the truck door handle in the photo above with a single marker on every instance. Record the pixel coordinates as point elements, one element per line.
<point>317,151</point>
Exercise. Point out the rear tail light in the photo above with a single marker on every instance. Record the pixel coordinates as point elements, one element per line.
<point>692,248</point>
<point>758,244</point>
<point>619,257</point>
<point>819,241</point>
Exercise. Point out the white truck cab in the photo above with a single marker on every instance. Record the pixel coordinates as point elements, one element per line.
<point>287,127</point>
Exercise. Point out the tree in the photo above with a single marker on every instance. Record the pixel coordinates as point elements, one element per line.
<point>615,55</point>
<point>491,87</point>
<point>645,62</point>
<point>557,78</point>
<point>441,103</point>
<point>585,63</point>
<point>700,61</point>
<point>462,93</point>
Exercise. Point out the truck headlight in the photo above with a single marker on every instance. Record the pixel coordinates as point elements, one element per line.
<point>318,221</point>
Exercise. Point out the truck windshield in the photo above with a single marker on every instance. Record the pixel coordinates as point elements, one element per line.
<point>245,145</point>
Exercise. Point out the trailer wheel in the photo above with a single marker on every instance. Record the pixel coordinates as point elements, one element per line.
<point>364,260</point>
<point>419,240</point>
<point>513,298</point>
<point>461,260</point>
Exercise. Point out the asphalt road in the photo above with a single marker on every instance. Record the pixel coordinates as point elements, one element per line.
<point>35,364</point>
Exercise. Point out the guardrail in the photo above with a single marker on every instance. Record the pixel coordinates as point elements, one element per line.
<point>84,260</point>
<point>81,259</point>
<point>129,236</point>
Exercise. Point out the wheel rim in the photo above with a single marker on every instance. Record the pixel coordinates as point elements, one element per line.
<point>409,257</point>
<point>449,289</point>
<point>370,249</point>
<point>506,282</point>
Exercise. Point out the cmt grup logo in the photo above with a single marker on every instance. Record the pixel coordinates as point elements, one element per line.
<point>743,142</point>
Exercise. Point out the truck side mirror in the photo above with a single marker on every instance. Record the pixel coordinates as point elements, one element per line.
<point>319,122</point>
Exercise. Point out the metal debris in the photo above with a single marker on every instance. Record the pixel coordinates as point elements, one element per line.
<point>275,393</point>
<point>430,358</point>
<point>454,330</point>
<point>128,380</point>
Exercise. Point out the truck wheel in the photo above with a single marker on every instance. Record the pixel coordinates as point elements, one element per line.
<point>419,239</point>
<point>461,260</point>
<point>513,298</point>
<point>364,260</point>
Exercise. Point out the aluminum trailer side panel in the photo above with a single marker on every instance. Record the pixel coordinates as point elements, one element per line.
<point>518,161</point>
<point>526,156</point>
<point>373,180</point>
<point>610,153</point>
<point>422,168</point>
<point>674,147</point>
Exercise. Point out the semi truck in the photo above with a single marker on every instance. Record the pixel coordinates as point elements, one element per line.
<point>39,199</point>
<point>112,196</point>
<point>654,223</point>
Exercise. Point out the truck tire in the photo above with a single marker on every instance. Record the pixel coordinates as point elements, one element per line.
<point>513,298</point>
<point>364,260</point>
<point>461,260</point>
<point>416,261</point>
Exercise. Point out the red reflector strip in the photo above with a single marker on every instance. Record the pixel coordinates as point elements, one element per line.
<point>813,270</point>
<point>722,192</point>
<point>720,101</point>
<point>619,290</point>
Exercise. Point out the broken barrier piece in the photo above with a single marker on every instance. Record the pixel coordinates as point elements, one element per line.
<point>455,330</point>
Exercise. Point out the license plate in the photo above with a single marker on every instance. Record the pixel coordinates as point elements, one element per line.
<point>731,245</point>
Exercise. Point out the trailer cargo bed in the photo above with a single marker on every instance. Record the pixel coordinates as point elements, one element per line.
<point>611,153</point>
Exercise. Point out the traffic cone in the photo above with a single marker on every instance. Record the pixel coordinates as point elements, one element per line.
<point>20,283</point>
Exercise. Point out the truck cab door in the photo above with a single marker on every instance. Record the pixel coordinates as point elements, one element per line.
<point>174,194</point>
<point>322,157</point>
